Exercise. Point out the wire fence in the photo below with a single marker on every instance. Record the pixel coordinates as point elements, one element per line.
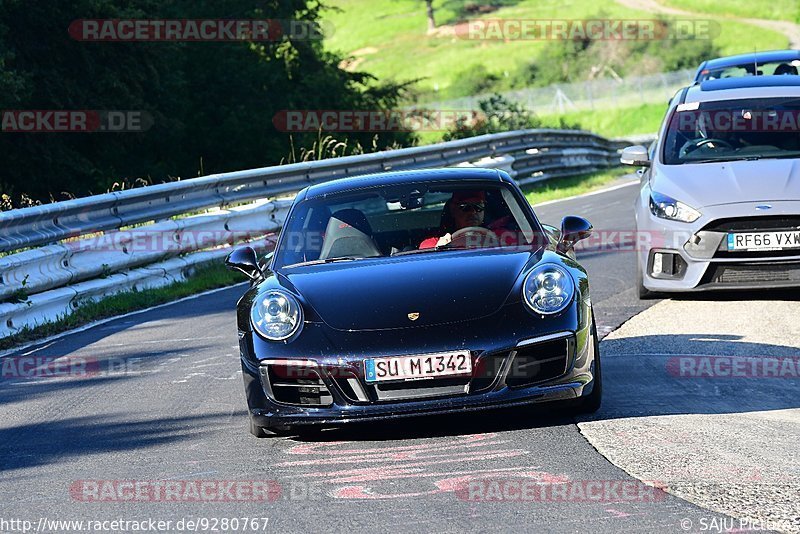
<point>606,93</point>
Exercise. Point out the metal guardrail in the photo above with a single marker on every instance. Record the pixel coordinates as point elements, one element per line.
<point>48,223</point>
<point>50,281</point>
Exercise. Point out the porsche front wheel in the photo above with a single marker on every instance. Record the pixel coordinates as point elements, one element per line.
<point>591,403</point>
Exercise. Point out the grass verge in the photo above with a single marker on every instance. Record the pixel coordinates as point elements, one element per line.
<point>570,186</point>
<point>609,123</point>
<point>617,122</point>
<point>204,279</point>
<point>784,10</point>
<point>388,38</point>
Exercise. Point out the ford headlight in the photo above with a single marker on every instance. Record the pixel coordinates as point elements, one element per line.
<point>674,210</point>
<point>548,289</point>
<point>276,315</point>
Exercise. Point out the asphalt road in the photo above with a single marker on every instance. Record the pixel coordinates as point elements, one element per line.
<point>608,255</point>
<point>722,436</point>
<point>173,412</point>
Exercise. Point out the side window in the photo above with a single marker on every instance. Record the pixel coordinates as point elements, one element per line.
<point>734,72</point>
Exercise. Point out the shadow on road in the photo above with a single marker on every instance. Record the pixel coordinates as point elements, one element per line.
<point>147,322</point>
<point>445,426</point>
<point>34,444</point>
<point>52,371</point>
<point>787,294</point>
<point>696,374</point>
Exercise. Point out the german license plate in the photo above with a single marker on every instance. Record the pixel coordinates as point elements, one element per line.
<point>418,367</point>
<point>764,240</point>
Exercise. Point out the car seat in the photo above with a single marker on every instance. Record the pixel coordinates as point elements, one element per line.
<point>349,234</point>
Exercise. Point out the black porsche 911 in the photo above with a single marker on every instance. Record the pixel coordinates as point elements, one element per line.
<point>410,293</point>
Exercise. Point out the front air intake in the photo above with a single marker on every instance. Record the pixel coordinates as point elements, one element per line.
<point>296,383</point>
<point>539,362</point>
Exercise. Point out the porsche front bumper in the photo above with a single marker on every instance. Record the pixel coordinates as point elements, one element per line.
<point>501,384</point>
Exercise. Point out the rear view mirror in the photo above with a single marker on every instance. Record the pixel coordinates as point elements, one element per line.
<point>635,155</point>
<point>244,259</point>
<point>573,229</point>
<point>413,200</point>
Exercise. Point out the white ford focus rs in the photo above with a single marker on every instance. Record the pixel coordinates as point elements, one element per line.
<point>719,206</point>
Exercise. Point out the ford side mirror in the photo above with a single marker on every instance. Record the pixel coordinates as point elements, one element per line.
<point>635,155</point>
<point>244,259</point>
<point>573,229</point>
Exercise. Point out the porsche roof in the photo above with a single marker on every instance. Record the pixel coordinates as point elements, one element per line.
<point>455,175</point>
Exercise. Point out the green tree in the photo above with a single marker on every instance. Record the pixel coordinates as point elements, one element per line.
<point>212,103</point>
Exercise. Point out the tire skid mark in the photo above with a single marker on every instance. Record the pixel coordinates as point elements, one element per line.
<point>424,469</point>
<point>452,484</point>
<point>383,472</point>
<point>391,454</point>
<point>313,448</point>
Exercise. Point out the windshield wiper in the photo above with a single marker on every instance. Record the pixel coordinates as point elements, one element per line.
<point>787,155</point>
<point>415,251</point>
<point>431,249</point>
<point>749,157</point>
<point>720,160</point>
<point>322,262</point>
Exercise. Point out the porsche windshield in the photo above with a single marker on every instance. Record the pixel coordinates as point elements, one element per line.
<point>733,130</point>
<point>410,219</point>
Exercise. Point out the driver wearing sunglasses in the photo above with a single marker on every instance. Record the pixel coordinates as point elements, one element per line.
<point>465,209</point>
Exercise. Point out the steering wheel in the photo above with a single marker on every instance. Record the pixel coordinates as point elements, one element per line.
<point>703,142</point>
<point>473,237</point>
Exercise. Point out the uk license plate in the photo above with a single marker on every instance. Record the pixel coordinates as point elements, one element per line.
<point>418,367</point>
<point>764,240</point>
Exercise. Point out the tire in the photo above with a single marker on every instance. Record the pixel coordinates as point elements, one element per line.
<point>641,291</point>
<point>258,431</point>
<point>269,432</point>
<point>591,404</point>
<point>282,430</point>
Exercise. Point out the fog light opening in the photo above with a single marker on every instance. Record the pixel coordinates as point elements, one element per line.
<point>667,265</point>
<point>658,263</point>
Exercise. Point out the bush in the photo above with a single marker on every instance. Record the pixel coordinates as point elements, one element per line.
<point>583,59</point>
<point>498,114</point>
<point>212,103</point>
<point>475,80</point>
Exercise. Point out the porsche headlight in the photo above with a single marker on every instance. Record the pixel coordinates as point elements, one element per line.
<point>276,315</point>
<point>548,289</point>
<point>666,207</point>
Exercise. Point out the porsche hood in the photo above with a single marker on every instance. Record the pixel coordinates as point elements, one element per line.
<point>412,291</point>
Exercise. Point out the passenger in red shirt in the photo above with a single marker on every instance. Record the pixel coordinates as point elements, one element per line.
<point>466,210</point>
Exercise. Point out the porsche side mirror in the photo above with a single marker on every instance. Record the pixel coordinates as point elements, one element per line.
<point>635,155</point>
<point>573,229</point>
<point>244,259</point>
